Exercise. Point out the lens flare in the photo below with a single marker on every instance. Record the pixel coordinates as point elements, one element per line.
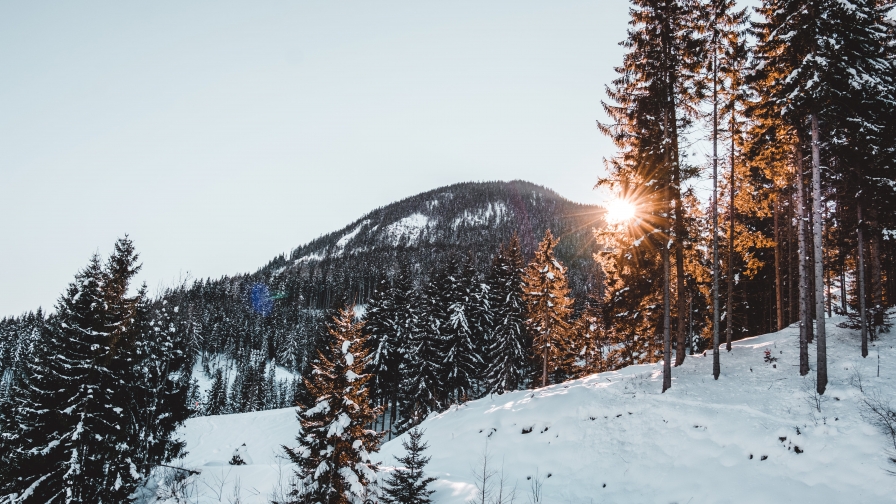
<point>619,210</point>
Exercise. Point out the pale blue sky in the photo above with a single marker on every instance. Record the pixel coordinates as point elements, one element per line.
<point>219,135</point>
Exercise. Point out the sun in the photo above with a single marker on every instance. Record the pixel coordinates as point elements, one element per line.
<point>619,210</point>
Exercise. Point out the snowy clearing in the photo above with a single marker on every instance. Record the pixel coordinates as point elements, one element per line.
<point>753,436</point>
<point>411,227</point>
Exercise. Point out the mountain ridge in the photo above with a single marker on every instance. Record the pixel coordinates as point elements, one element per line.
<point>467,218</point>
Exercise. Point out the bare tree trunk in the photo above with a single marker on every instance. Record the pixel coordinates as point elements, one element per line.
<point>679,261</point>
<point>729,309</point>
<point>791,297</point>
<point>680,287</point>
<point>842,257</point>
<point>716,365</point>
<point>804,277</point>
<point>877,291</point>
<point>779,290</point>
<point>818,225</point>
<point>667,322</point>
<point>667,340</point>
<point>860,292</point>
<point>544,371</point>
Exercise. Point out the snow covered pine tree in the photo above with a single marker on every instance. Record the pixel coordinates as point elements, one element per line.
<point>421,391</point>
<point>548,308</point>
<point>509,345</point>
<point>408,485</point>
<point>333,456</point>
<point>78,433</point>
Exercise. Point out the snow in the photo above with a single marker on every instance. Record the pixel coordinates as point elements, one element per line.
<point>731,440</point>
<point>411,227</point>
<point>229,368</point>
<point>482,216</point>
<point>346,238</point>
<point>310,257</point>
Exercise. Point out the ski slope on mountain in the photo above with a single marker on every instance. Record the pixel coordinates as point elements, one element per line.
<point>755,435</point>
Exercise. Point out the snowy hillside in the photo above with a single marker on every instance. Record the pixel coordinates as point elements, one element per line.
<point>753,436</point>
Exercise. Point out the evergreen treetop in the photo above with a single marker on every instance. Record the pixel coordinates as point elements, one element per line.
<point>408,484</point>
<point>333,455</point>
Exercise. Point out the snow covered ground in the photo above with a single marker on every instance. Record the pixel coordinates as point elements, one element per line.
<point>754,435</point>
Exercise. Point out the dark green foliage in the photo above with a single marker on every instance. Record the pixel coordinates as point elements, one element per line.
<point>216,403</point>
<point>408,484</point>
<point>421,386</point>
<point>86,419</point>
<point>457,310</point>
<point>509,347</point>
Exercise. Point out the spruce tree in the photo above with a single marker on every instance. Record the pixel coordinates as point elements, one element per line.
<point>509,345</point>
<point>646,121</point>
<point>334,442</point>
<point>592,344</point>
<point>216,403</point>
<point>408,484</point>
<point>458,300</point>
<point>548,310</point>
<point>79,432</point>
<point>826,69</point>
<point>389,325</point>
<point>421,386</point>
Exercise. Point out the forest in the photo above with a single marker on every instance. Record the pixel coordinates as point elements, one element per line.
<point>756,159</point>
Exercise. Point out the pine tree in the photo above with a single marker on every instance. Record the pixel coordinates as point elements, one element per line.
<point>509,348</point>
<point>216,404</point>
<point>421,385</point>
<point>333,456</point>
<point>826,65</point>
<point>408,484</point>
<point>722,42</point>
<point>548,309</point>
<point>389,325</point>
<point>79,434</point>
<point>646,120</point>
<point>380,331</point>
<point>592,342</point>
<point>271,391</point>
<point>458,300</point>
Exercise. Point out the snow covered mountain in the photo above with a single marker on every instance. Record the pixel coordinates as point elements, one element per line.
<point>758,434</point>
<point>472,218</point>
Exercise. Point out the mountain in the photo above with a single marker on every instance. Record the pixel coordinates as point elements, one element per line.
<point>755,435</point>
<point>277,313</point>
<point>468,219</point>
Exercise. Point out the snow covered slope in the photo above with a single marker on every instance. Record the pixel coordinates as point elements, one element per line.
<point>614,437</point>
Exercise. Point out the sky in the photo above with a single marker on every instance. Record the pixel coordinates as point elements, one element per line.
<point>218,135</point>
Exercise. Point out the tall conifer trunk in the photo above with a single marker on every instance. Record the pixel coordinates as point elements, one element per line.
<point>817,225</point>
<point>779,289</point>
<point>667,340</point>
<point>716,365</point>
<point>803,267</point>
<point>679,272</point>
<point>679,242</point>
<point>860,292</point>
<point>791,297</point>
<point>877,294</point>
<point>729,310</point>
<point>667,322</point>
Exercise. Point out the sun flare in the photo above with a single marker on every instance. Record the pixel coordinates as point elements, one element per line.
<point>619,210</point>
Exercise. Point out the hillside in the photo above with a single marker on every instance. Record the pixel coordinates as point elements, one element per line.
<point>753,436</point>
<point>277,312</point>
<point>471,218</point>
